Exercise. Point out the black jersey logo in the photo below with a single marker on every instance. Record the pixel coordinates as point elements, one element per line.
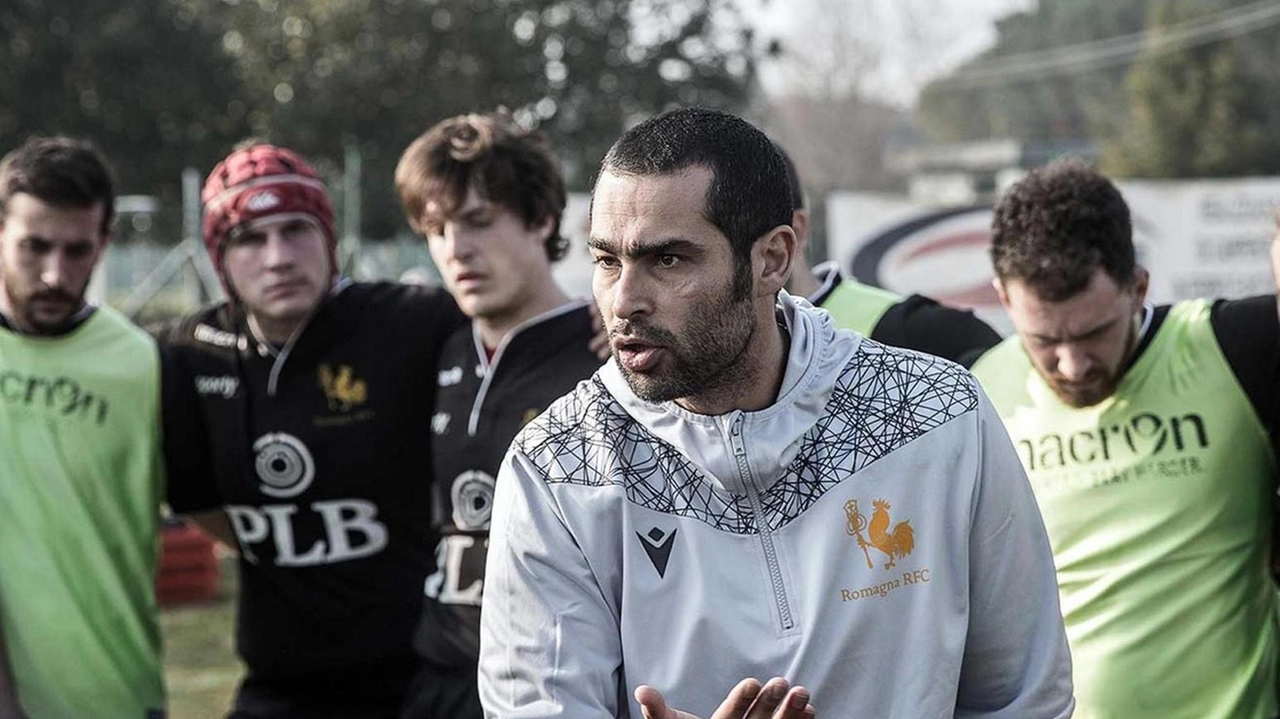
<point>657,544</point>
<point>449,377</point>
<point>284,465</point>
<point>472,497</point>
<point>341,387</point>
<point>440,422</point>
<point>223,386</point>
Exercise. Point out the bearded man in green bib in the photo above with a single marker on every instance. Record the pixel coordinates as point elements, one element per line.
<point>80,459</point>
<point>1146,433</point>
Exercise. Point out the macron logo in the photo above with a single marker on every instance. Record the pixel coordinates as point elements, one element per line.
<point>262,201</point>
<point>657,544</point>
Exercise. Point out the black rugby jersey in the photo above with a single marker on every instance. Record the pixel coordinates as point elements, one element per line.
<point>919,323</point>
<point>322,461</point>
<point>480,407</point>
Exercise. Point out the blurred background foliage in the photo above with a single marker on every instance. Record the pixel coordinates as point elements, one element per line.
<point>166,84</point>
<point>1149,88</point>
<point>1166,88</point>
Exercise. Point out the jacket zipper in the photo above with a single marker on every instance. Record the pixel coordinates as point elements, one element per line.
<point>762,529</point>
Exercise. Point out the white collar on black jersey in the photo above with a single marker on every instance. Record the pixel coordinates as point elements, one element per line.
<point>828,276</point>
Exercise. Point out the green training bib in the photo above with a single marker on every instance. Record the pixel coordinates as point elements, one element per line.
<point>858,307</point>
<point>1158,504</point>
<point>80,487</point>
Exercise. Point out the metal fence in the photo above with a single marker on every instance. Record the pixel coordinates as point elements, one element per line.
<point>152,282</point>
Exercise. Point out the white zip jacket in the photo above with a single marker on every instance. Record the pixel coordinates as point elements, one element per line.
<point>871,536</point>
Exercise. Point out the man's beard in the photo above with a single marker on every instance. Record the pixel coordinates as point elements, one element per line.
<point>1102,383</point>
<point>1099,389</point>
<point>25,314</point>
<point>710,356</point>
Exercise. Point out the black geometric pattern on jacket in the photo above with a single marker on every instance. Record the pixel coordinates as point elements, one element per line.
<point>885,398</point>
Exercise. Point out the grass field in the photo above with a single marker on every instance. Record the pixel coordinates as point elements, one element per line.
<point>200,665</point>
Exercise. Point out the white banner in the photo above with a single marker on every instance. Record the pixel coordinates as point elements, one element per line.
<point>1202,238</point>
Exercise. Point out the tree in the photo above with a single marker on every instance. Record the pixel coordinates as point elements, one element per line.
<point>165,84</point>
<point>1199,113</point>
<point>1042,107</point>
<point>376,73</point>
<point>828,111</point>
<point>1200,98</point>
<point>138,77</point>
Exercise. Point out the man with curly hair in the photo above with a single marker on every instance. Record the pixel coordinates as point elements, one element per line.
<point>488,196</point>
<point>1147,434</point>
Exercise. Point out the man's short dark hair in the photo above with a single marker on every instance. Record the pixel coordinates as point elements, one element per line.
<point>749,193</point>
<point>61,171</point>
<point>1054,228</point>
<point>797,189</point>
<point>505,163</point>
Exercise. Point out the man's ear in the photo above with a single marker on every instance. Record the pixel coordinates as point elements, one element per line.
<point>800,223</point>
<point>544,228</point>
<point>1000,292</point>
<point>773,255</point>
<point>102,245</point>
<point>1141,285</point>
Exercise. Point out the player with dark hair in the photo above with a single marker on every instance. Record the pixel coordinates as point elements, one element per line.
<point>915,322</point>
<point>488,196</point>
<point>487,157</point>
<point>301,408</point>
<point>1146,432</point>
<point>745,491</point>
<point>81,476</point>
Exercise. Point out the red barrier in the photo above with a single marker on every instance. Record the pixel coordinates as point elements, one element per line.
<point>188,566</point>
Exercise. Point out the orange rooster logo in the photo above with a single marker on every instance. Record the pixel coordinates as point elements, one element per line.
<point>342,389</point>
<point>896,543</point>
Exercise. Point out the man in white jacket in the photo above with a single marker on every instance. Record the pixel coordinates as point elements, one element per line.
<point>744,491</point>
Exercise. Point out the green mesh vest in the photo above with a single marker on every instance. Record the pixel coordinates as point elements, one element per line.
<point>858,307</point>
<point>1158,503</point>
<point>80,486</point>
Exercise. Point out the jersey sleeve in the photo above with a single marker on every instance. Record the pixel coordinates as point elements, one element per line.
<point>1016,662</point>
<point>549,644</point>
<point>185,439</point>
<point>428,317</point>
<point>921,324</point>
<point>1248,331</point>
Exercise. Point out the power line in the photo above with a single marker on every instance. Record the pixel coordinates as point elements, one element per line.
<point>1117,50</point>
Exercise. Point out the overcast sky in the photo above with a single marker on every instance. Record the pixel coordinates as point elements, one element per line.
<point>913,46</point>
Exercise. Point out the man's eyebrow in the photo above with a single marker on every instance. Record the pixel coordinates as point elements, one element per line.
<point>473,211</point>
<point>1087,334</point>
<point>671,245</point>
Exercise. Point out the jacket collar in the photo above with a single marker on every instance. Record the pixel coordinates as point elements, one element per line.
<point>772,435</point>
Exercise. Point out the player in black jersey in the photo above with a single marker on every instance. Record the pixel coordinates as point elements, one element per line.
<point>301,408</point>
<point>488,196</point>
<point>915,322</point>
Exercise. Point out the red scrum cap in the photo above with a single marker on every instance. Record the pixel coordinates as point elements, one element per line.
<point>260,181</point>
